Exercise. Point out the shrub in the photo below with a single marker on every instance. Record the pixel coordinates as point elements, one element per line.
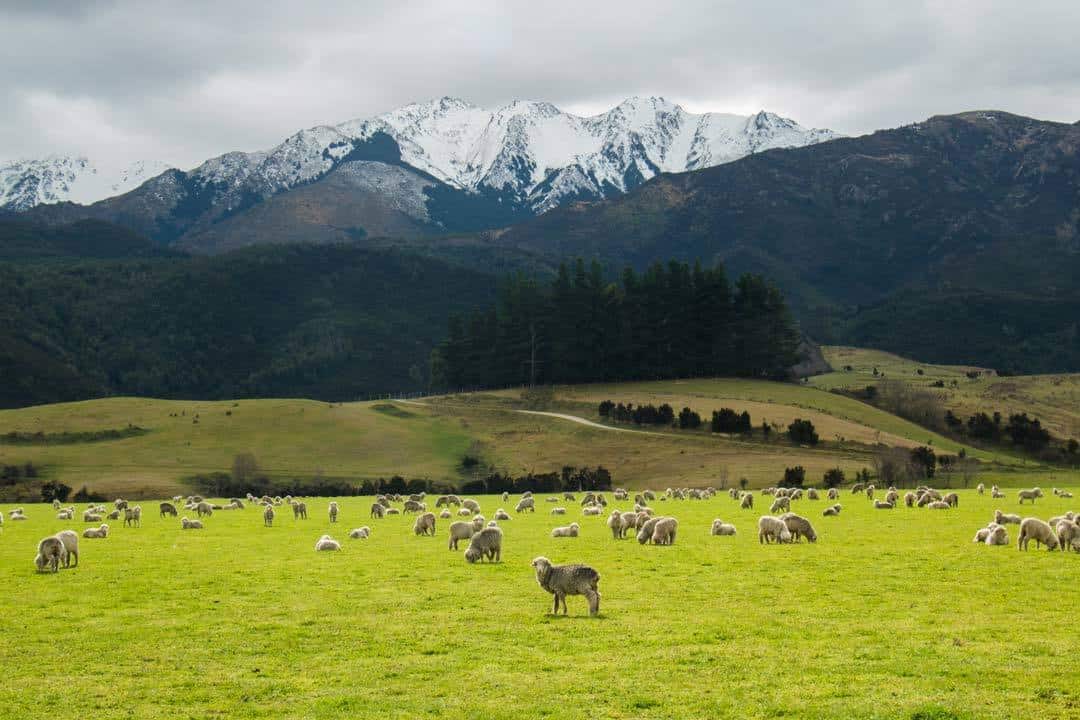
<point>834,477</point>
<point>606,406</point>
<point>54,490</point>
<point>688,419</point>
<point>802,432</point>
<point>793,477</point>
<point>84,495</point>
<point>726,420</point>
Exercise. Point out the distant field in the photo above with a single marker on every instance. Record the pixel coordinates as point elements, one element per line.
<point>1054,399</point>
<point>892,614</point>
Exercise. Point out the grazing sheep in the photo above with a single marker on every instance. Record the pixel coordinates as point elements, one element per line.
<point>525,504</point>
<point>772,528</point>
<point>485,544</point>
<point>1068,533</point>
<point>471,505</point>
<point>327,543</point>
<point>558,511</point>
<point>114,515</point>
<point>360,533</point>
<point>799,527</point>
<point>1039,531</point>
<point>460,531</point>
<point>62,515</point>
<point>834,494</point>
<point>1004,518</point>
<point>268,516</point>
<point>998,535</point>
<point>186,524</point>
<point>747,502</point>
<point>50,553</point>
<point>980,488</point>
<point>378,510</point>
<point>464,512</point>
<point>831,511</point>
<point>70,539</point>
<point>781,503</point>
<point>1029,495</point>
<point>392,511</point>
<point>857,488</point>
<point>563,580</point>
<point>501,514</point>
<point>952,499</point>
<point>719,527</point>
<point>204,508</point>
<point>133,516</point>
<point>299,510</point>
<point>909,499</point>
<point>883,505</point>
<point>166,508</point>
<point>445,514</point>
<point>333,510</point>
<point>425,524</point>
<point>645,531</point>
<point>812,494</point>
<point>664,531</point>
<point>891,497</point>
<point>98,532</point>
<point>87,516</point>
<point>505,496</point>
<point>570,530</point>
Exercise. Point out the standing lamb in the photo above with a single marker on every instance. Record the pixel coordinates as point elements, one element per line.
<point>485,544</point>
<point>299,510</point>
<point>1029,495</point>
<point>980,488</point>
<point>378,510</point>
<point>1039,531</point>
<point>1068,534</point>
<point>50,553</point>
<point>70,539</point>
<point>772,529</point>
<point>525,504</point>
<point>563,580</point>
<point>333,510</point>
<point>952,499</point>
<point>268,516</point>
<point>747,502</point>
<point>133,516</point>
<point>664,531</point>
<point>425,524</point>
<point>167,508</point>
<point>799,527</point>
<point>460,530</point>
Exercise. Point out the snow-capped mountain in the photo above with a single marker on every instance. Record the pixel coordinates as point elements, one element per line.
<point>59,178</point>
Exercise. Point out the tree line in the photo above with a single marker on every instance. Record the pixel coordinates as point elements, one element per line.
<point>673,320</point>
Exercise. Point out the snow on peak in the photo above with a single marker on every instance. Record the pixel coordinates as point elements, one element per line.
<point>60,178</point>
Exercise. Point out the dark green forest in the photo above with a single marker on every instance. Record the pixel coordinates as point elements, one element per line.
<point>673,320</point>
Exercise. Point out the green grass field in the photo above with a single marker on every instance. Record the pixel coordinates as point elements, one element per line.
<point>892,614</point>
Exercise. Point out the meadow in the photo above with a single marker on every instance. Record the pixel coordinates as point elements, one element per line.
<point>891,614</point>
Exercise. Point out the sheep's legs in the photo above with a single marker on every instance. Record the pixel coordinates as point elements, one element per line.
<point>555,610</point>
<point>594,602</point>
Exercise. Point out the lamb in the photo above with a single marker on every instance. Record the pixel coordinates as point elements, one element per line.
<point>87,516</point>
<point>982,533</point>
<point>98,532</point>
<point>891,497</point>
<point>592,510</point>
<point>939,505</point>
<point>781,503</point>
<point>360,533</point>
<point>525,504</point>
<point>834,494</point>
<point>333,510</point>
<point>664,531</point>
<point>1029,495</point>
<point>62,515</point>
<point>50,553</point>
<point>831,511</point>
<point>1068,533</point>
<point>478,523</point>
<point>166,508</point>
<point>563,580</point>
<point>392,511</point>
<point>1037,530</point>
<point>378,510</point>
<point>133,516</point>
<point>799,527</point>
<point>425,524</point>
<point>268,516</point>
<point>1004,518</point>
<point>299,510</point>
<point>445,514</point>
<point>558,511</point>
<point>998,535</point>
<point>464,512</point>
<point>747,502</point>
<point>857,488</point>
<point>485,544</point>
<point>327,543</point>
<point>812,494</point>
<point>204,508</point>
<point>909,499</point>
<point>772,528</point>
<point>883,505</point>
<point>645,532</point>
<point>114,515</point>
<point>120,504</point>
<point>980,488</point>
<point>186,524</point>
<point>615,524</point>
<point>460,531</point>
<point>56,503</point>
<point>501,514</point>
<point>870,492</point>
<point>952,499</point>
<point>70,539</point>
<point>505,496</point>
<point>719,527</point>
<point>570,530</point>
<point>471,505</point>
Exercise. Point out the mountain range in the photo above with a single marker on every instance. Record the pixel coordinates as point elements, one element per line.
<point>434,167</point>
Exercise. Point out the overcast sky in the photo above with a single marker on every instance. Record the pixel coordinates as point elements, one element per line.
<point>183,81</point>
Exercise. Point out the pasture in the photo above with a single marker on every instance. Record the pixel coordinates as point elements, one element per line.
<point>891,614</point>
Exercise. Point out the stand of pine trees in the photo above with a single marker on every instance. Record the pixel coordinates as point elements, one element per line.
<point>673,320</point>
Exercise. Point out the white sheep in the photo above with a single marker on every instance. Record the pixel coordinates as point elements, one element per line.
<point>360,533</point>
<point>570,530</point>
<point>558,511</point>
<point>772,529</point>
<point>425,524</point>
<point>883,505</point>
<point>133,516</point>
<point>98,532</point>
<point>719,527</point>
<point>563,580</point>
<point>485,544</point>
<point>998,535</point>
<point>501,515</point>
<point>980,488</point>
<point>460,531</point>
<point>1039,531</point>
<point>780,503</point>
<point>70,539</point>
<point>799,527</point>
<point>333,511</point>
<point>1029,495</point>
<point>445,514</point>
<point>88,516</point>
<point>525,503</point>
<point>1068,533</point>
<point>831,511</point>
<point>186,524</point>
<point>268,516</point>
<point>995,492</point>
<point>62,515</point>
<point>664,531</point>
<point>1004,518</point>
<point>747,502</point>
<point>50,553</point>
<point>327,543</point>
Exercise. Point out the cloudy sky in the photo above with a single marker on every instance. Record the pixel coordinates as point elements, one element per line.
<point>183,81</point>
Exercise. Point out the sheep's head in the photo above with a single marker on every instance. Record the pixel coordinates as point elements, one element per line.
<point>472,554</point>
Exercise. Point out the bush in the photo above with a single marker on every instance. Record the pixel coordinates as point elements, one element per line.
<point>834,477</point>
<point>606,406</point>
<point>85,495</point>
<point>688,419</point>
<point>793,477</point>
<point>54,490</point>
<point>802,432</point>
<point>726,420</point>
<point>924,461</point>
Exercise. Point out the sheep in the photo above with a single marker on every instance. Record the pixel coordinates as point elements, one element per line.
<point>378,510</point>
<point>982,533</point>
<point>87,516</point>
<point>980,488</point>
<point>114,515</point>
<point>939,505</point>
<point>857,488</point>
<point>332,509</point>
<point>360,533</point>
<point>772,528</point>
<point>133,516</point>
<point>505,496</point>
<point>998,535</point>
<point>924,500</point>
<point>870,492</point>
<point>98,532</point>
<point>747,502</point>
<point>558,511</point>
<point>883,505</point>
<point>204,508</point>
<point>615,524</point>
<point>62,515</point>
<point>621,494</point>
<point>268,516</point>
<point>486,543</point>
<point>50,553</point>
<point>563,580</point>
<point>70,539</point>
<point>645,530</point>
<point>425,524</point>
<point>471,505</point>
<point>1004,518</point>
<point>56,503</point>
<point>781,503</point>
<point>299,510</point>
<point>392,511</point>
<point>1066,494</point>
<point>1029,495</point>
<point>478,523</point>
<point>460,531</point>
<point>501,515</point>
<point>834,494</point>
<point>326,543</point>
<point>831,511</point>
<point>492,524</point>
<point>464,512</point>
<point>909,499</point>
<point>996,493</point>
<point>120,504</point>
<point>445,514</point>
<point>1037,530</point>
<point>166,508</point>
<point>891,497</point>
<point>570,530</point>
<point>719,527</point>
<point>1068,533</point>
<point>525,504</point>
<point>551,499</point>
<point>952,499</point>
<point>664,531</point>
<point>592,510</point>
<point>186,524</point>
<point>799,527</point>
